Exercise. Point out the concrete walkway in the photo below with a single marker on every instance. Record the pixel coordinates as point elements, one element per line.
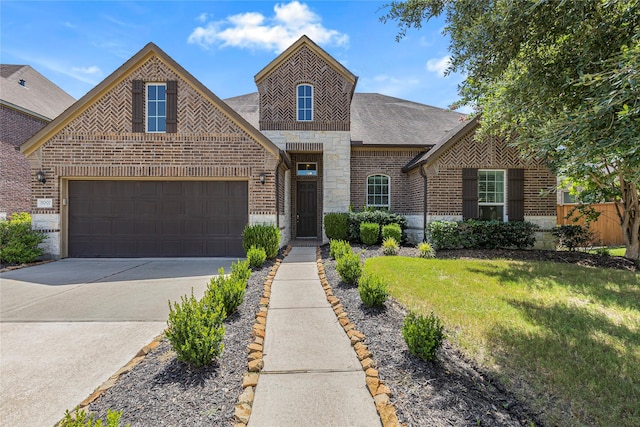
<point>311,374</point>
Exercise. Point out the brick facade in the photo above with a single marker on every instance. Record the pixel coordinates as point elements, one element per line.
<point>445,176</point>
<point>331,94</point>
<point>405,195</point>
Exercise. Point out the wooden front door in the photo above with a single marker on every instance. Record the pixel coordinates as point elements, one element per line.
<point>307,209</point>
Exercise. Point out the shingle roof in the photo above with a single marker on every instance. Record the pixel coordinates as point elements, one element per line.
<point>38,95</point>
<point>379,120</point>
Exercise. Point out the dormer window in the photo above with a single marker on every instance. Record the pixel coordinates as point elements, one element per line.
<point>305,103</point>
<point>156,107</point>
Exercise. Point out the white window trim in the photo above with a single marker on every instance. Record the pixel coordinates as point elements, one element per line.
<point>146,107</point>
<point>504,204</point>
<point>298,102</point>
<point>366,191</point>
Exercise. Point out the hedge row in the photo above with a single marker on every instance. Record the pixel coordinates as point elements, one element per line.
<point>346,225</point>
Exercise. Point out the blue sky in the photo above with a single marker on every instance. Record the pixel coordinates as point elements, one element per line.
<point>76,44</point>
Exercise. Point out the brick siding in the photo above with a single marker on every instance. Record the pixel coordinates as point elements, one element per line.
<point>405,191</point>
<point>15,180</point>
<point>331,95</point>
<point>208,145</point>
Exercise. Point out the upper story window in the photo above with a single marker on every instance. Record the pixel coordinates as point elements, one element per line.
<point>305,103</point>
<point>156,107</point>
<point>491,195</point>
<point>378,191</point>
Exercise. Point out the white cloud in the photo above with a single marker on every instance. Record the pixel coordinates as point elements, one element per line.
<point>202,17</point>
<point>87,70</point>
<point>253,30</point>
<point>439,65</point>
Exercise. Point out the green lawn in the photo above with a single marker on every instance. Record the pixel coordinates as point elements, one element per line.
<point>564,337</point>
<point>612,251</point>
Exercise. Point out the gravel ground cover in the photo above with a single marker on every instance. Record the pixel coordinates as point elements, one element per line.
<point>452,391</point>
<point>162,391</point>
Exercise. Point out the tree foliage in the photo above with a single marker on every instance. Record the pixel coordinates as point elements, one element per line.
<point>560,78</point>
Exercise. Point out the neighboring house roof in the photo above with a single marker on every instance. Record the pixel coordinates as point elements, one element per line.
<point>25,89</point>
<point>121,73</point>
<point>379,120</point>
<point>453,136</point>
<point>304,41</point>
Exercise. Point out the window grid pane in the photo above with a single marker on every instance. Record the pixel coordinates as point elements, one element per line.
<point>491,195</point>
<point>156,108</point>
<point>378,191</point>
<point>305,103</point>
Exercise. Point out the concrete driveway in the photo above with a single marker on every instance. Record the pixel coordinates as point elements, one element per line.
<point>67,326</point>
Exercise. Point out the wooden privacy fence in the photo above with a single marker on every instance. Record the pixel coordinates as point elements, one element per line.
<point>606,229</point>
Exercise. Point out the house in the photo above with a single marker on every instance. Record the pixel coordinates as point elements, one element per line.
<point>152,163</point>
<point>28,101</point>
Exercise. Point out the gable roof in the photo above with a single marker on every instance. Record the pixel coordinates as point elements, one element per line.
<point>150,50</point>
<point>447,141</point>
<point>301,42</point>
<point>379,120</point>
<point>37,95</point>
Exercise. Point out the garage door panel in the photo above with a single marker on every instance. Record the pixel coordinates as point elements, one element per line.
<point>156,218</point>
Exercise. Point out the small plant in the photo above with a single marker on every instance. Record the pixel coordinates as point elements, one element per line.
<point>390,246</point>
<point>256,256</point>
<point>572,237</point>
<point>241,271</point>
<point>373,291</point>
<point>228,290</point>
<point>80,419</point>
<point>426,250</point>
<point>349,268</point>
<point>338,248</point>
<point>18,242</point>
<point>336,225</point>
<point>369,233</point>
<point>603,251</point>
<point>392,230</point>
<point>195,330</point>
<point>266,237</point>
<point>423,334</point>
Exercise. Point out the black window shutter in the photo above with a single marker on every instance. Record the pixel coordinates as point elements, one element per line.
<point>172,106</point>
<point>137,104</point>
<point>469,193</point>
<point>515,197</point>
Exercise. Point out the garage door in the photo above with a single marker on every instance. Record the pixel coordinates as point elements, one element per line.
<point>156,218</point>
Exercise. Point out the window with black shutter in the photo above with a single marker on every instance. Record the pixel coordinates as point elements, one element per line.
<point>515,200</point>
<point>469,193</point>
<point>155,107</point>
<point>137,106</point>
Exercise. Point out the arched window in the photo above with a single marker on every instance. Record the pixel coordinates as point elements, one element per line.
<point>378,191</point>
<point>305,103</point>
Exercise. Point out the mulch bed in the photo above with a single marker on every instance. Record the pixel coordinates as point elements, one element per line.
<point>161,391</point>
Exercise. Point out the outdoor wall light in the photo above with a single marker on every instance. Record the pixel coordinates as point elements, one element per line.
<point>263,178</point>
<point>40,177</point>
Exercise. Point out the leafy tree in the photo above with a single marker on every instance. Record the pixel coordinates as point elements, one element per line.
<point>561,79</point>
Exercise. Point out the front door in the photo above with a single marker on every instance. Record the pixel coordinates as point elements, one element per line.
<point>307,215</point>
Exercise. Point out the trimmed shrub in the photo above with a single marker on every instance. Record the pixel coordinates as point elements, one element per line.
<point>392,230</point>
<point>228,290</point>
<point>338,248</point>
<point>369,233</point>
<point>241,271</point>
<point>80,419</point>
<point>349,267</point>
<point>195,330</point>
<point>18,242</point>
<point>373,291</point>
<point>423,334</point>
<point>262,236</point>
<point>473,234</point>
<point>572,236</point>
<point>380,217</point>
<point>336,225</point>
<point>390,246</point>
<point>426,251</point>
<point>256,257</point>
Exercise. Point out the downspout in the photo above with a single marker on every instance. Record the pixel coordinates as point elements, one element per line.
<point>278,193</point>
<point>424,204</point>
